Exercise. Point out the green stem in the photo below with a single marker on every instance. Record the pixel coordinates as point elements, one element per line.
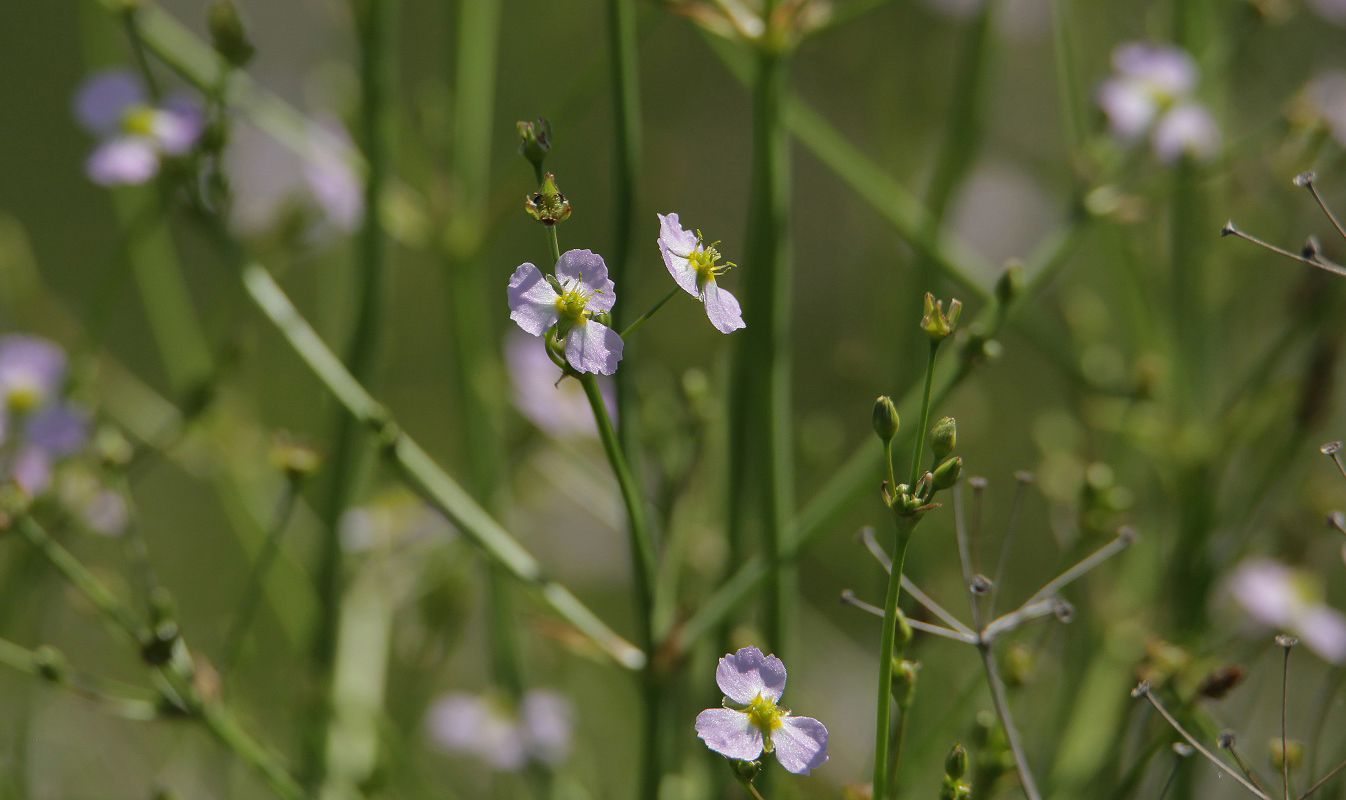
<point>895,757</point>
<point>884,704</point>
<point>226,730</point>
<point>374,23</point>
<point>925,414</point>
<point>252,590</point>
<point>888,461</point>
<point>422,474</point>
<point>108,604</point>
<point>635,325</point>
<point>552,241</point>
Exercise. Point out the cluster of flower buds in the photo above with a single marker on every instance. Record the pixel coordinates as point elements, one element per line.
<point>915,500</point>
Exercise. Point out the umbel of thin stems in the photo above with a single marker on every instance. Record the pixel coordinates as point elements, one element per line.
<point>986,628</point>
<point>1310,253</point>
<point>1245,775</point>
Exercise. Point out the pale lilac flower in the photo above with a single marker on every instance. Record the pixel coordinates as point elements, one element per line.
<point>32,370</point>
<point>484,727</point>
<point>48,435</point>
<point>692,265</point>
<point>316,178</point>
<point>580,289</point>
<point>558,408</point>
<point>136,136</point>
<point>1277,596</point>
<point>751,721</point>
<point>1334,11</point>
<point>1326,94</point>
<point>1151,92</point>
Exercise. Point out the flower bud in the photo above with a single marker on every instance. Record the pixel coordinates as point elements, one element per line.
<point>535,140</point>
<point>904,682</point>
<point>955,763</point>
<point>946,474</point>
<point>903,633</point>
<point>935,322</point>
<point>158,650</point>
<point>1294,749</point>
<point>50,663</point>
<point>886,421</point>
<point>943,437</point>
<point>547,205</point>
<point>1010,284</point>
<point>226,33</point>
<point>745,771</point>
<point>1017,665</point>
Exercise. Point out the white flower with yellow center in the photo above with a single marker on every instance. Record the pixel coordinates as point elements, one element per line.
<point>568,303</point>
<point>694,267</point>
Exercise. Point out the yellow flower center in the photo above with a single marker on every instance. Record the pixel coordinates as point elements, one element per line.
<point>22,398</point>
<point>570,305</point>
<point>764,713</point>
<point>703,261</point>
<point>139,120</point>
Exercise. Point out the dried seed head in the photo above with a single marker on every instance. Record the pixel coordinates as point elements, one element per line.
<point>1286,640</point>
<point>980,584</point>
<point>1226,739</point>
<point>1330,449</point>
<point>1305,178</point>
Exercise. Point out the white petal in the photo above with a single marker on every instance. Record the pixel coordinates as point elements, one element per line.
<point>745,674</point>
<point>587,268</point>
<point>675,244</point>
<point>1187,130</point>
<point>532,301</point>
<point>722,308</point>
<point>593,347</point>
<point>1323,630</point>
<point>124,160</point>
<point>729,733</point>
<point>547,719</point>
<point>1129,107</point>
<point>801,744</point>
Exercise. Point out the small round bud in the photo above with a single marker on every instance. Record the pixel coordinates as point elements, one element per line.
<point>535,140</point>
<point>745,771</point>
<point>113,448</point>
<point>1226,739</point>
<point>943,437</point>
<point>1228,228</point>
<point>903,634</point>
<point>977,482</point>
<point>1293,753</point>
<point>226,33</point>
<point>946,474</point>
<point>904,682</point>
<point>955,763</point>
<point>1010,284</point>
<point>886,421</point>
<point>50,663</point>
<point>1305,178</point>
<point>1017,664</point>
<point>1286,640</point>
<point>158,651</point>
<point>1127,535</point>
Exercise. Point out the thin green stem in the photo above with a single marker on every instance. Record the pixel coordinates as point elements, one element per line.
<point>375,21</point>
<point>108,604</point>
<point>554,243</point>
<point>925,414</point>
<point>252,590</point>
<point>888,461</point>
<point>422,474</point>
<point>640,320</point>
<point>895,757</point>
<point>884,704</point>
<point>226,730</point>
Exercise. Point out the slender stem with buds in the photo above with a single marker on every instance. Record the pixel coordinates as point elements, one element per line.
<point>905,526</point>
<point>1143,690</point>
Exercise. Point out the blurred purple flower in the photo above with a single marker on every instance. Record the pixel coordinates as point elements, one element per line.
<point>567,302</point>
<point>751,721</point>
<point>693,267</point>
<point>1151,91</point>
<point>559,409</point>
<point>483,727</point>
<point>1277,596</point>
<point>135,135</point>
<point>32,370</point>
<point>268,178</point>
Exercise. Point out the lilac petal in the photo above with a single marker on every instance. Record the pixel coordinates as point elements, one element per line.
<point>729,733</point>
<point>31,365</point>
<point>547,719</point>
<point>32,470</point>
<point>1168,70</point>
<point>333,181</point>
<point>1129,107</point>
<point>124,160</point>
<point>675,244</point>
<point>1266,591</point>
<point>593,347</point>
<point>532,301</point>
<point>801,744</point>
<point>556,407</point>
<point>58,429</point>
<point>1323,630</point>
<point>744,675</point>
<point>103,100</point>
<point>178,125</point>
<point>587,268</point>
<point>1188,130</point>
<point>722,308</point>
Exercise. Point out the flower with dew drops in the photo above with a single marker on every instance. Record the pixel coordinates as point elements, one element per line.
<point>567,302</point>
<point>135,135</point>
<point>692,264</point>
<point>751,722</point>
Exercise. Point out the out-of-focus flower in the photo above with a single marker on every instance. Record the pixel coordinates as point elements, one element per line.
<point>692,265</point>
<point>751,721</point>
<point>32,370</point>
<point>538,731</point>
<point>568,303</point>
<point>557,408</point>
<point>135,135</point>
<point>101,509</point>
<point>1334,11</point>
<point>391,518</point>
<point>1326,96</point>
<point>36,427</point>
<point>268,178</point>
<point>1151,92</point>
<point>1277,596</point>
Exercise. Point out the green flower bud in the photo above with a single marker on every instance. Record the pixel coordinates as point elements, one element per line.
<point>946,474</point>
<point>886,421</point>
<point>904,633</point>
<point>1017,665</point>
<point>904,682</point>
<point>535,140</point>
<point>1010,284</point>
<point>745,771</point>
<point>943,437</point>
<point>955,763</point>
<point>937,324</point>
<point>226,33</point>
<point>547,205</point>
<point>955,790</point>
<point>1294,748</point>
<point>50,663</point>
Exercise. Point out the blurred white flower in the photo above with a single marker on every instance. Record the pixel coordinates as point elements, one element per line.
<point>1277,596</point>
<point>558,409</point>
<point>1326,95</point>
<point>1151,92</point>
<point>134,135</point>
<point>485,727</point>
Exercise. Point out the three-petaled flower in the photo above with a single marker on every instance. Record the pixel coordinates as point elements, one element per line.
<point>135,135</point>
<point>568,303</point>
<point>751,721</point>
<point>692,264</point>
